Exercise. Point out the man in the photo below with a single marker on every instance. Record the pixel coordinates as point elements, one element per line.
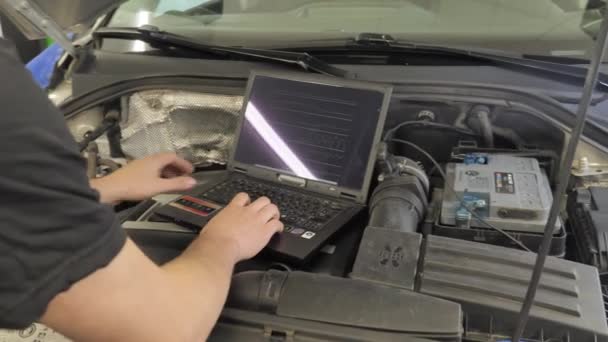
<point>64,259</point>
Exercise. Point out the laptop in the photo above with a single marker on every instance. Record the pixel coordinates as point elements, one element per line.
<point>309,143</point>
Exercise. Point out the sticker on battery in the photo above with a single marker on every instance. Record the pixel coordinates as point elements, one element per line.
<point>504,182</point>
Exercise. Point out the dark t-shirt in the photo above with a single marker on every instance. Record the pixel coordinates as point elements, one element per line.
<point>53,230</point>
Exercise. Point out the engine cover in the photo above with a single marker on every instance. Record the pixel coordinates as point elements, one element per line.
<point>512,193</point>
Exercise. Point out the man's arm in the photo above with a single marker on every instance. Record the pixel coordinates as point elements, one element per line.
<point>132,299</point>
<point>64,256</point>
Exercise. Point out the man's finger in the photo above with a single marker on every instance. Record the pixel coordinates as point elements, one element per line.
<point>275,226</point>
<point>176,184</point>
<point>241,199</point>
<point>170,159</point>
<point>182,165</point>
<point>260,203</point>
<point>270,212</point>
<point>269,229</point>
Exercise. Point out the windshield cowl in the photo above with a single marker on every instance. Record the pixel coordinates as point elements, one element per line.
<point>545,28</point>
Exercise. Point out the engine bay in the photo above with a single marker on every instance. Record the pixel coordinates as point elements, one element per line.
<point>459,199</point>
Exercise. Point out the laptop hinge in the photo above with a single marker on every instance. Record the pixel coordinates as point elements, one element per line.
<point>348,196</point>
<point>240,170</point>
<point>291,180</point>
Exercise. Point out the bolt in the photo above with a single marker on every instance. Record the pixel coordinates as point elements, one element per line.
<point>426,115</point>
<point>480,203</point>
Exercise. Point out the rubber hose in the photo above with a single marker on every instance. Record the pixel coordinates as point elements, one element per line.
<point>255,290</point>
<point>398,203</point>
<point>482,113</point>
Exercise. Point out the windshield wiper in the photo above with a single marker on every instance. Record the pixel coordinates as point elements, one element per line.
<point>387,42</point>
<point>154,36</point>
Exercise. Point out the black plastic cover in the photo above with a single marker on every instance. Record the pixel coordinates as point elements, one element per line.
<point>492,237</point>
<point>588,218</point>
<point>363,304</point>
<point>388,256</point>
<point>340,302</point>
<point>490,283</point>
<point>250,326</point>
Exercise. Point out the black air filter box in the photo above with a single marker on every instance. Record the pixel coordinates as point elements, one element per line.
<point>588,219</point>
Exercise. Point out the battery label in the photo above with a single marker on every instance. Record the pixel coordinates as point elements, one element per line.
<point>504,182</point>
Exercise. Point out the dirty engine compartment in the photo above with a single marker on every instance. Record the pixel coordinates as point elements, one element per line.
<point>462,187</point>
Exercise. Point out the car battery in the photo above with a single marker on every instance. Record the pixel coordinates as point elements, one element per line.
<point>511,193</point>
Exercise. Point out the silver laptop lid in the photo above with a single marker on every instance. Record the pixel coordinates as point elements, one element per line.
<point>311,131</point>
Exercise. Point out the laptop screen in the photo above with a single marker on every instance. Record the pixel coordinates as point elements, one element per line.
<point>317,131</point>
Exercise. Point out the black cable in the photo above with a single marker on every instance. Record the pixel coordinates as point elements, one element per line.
<point>564,175</point>
<point>445,179</point>
<point>114,135</point>
<point>388,135</point>
<point>91,136</point>
<point>431,171</point>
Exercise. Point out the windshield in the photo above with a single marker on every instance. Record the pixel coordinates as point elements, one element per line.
<point>540,27</point>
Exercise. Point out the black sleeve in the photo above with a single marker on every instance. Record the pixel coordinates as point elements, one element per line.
<point>53,230</point>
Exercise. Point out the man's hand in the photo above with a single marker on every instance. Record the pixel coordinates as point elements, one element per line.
<point>246,227</point>
<point>144,178</point>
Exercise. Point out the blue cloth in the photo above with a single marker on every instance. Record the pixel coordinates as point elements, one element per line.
<point>43,65</point>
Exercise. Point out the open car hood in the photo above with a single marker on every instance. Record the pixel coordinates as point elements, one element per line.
<point>45,18</point>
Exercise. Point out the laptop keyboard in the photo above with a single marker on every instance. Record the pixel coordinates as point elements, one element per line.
<point>298,210</point>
